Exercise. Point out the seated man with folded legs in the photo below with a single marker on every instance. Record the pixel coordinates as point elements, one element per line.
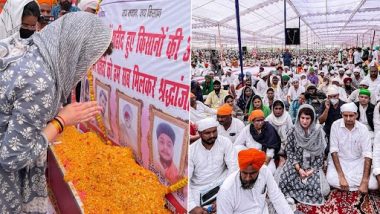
<point>349,166</point>
<point>211,159</point>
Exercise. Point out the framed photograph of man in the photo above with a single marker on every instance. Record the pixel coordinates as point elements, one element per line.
<point>129,111</point>
<point>102,94</point>
<point>168,145</point>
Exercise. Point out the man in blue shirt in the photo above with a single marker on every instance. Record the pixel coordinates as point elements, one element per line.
<point>295,105</point>
<point>64,6</point>
<point>287,56</point>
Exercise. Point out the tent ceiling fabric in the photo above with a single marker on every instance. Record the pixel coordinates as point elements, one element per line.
<point>327,22</point>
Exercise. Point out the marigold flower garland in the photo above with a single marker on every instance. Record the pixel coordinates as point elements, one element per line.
<point>107,178</point>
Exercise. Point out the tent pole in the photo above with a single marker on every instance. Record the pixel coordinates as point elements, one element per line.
<point>284,24</point>
<point>239,36</point>
<point>373,41</point>
<point>220,44</point>
<point>299,46</point>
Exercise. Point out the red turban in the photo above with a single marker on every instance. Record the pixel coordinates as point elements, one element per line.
<point>251,157</point>
<point>345,80</point>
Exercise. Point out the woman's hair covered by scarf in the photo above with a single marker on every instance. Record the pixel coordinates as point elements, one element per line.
<point>11,17</point>
<point>314,140</point>
<point>251,157</point>
<point>71,45</point>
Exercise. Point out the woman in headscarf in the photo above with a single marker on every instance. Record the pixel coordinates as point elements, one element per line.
<point>324,84</point>
<point>34,82</point>
<point>302,177</point>
<point>261,135</point>
<point>257,104</point>
<point>304,81</point>
<point>281,120</point>
<point>19,19</point>
<point>244,100</point>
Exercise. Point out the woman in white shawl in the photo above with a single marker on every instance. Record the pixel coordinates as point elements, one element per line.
<point>304,81</point>
<point>34,82</point>
<point>281,120</point>
<point>19,18</point>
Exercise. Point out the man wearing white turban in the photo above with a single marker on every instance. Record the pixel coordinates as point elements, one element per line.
<point>349,165</point>
<point>338,83</point>
<point>262,85</point>
<point>354,97</point>
<point>211,159</point>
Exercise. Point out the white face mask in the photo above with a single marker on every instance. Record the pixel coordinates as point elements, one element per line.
<point>334,101</point>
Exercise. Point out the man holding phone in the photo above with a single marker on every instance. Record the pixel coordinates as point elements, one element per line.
<point>64,6</point>
<point>330,111</point>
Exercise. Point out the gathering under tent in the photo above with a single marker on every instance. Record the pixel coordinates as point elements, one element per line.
<point>323,24</point>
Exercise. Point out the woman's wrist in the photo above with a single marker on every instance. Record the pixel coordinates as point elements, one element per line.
<point>297,167</point>
<point>60,118</point>
<point>57,124</point>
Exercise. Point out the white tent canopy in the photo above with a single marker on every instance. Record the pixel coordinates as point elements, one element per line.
<point>324,23</point>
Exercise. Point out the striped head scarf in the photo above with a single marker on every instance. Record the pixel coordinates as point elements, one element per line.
<point>70,46</point>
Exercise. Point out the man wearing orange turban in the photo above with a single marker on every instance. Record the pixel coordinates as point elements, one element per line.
<point>246,190</point>
<point>45,7</point>
<point>228,126</point>
<point>251,157</point>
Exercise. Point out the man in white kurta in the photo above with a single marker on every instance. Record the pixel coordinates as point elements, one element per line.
<point>376,158</point>
<point>246,190</point>
<point>350,153</point>
<point>211,159</point>
<point>262,85</point>
<point>199,111</point>
<point>229,127</point>
<point>295,90</point>
<point>373,78</point>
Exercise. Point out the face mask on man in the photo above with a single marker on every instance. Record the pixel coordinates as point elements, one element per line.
<point>334,101</point>
<point>26,33</point>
